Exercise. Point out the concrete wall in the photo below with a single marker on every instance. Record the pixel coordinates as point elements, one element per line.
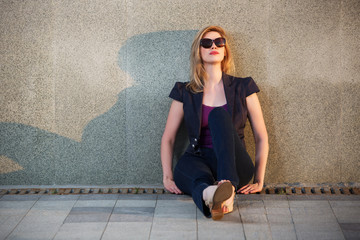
<point>84,85</point>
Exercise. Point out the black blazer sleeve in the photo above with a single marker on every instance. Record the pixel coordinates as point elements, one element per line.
<point>177,91</point>
<point>250,86</point>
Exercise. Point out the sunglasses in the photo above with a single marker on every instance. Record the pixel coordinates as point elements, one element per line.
<point>207,42</point>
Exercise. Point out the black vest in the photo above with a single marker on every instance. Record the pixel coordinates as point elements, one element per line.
<point>236,91</point>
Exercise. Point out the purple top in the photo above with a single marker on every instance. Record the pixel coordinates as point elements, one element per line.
<point>205,135</point>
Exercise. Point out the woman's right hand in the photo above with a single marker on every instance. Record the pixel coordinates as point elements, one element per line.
<point>170,185</point>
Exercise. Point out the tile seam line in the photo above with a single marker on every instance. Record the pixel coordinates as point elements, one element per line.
<point>267,219</point>
<point>7,237</point>
<point>242,223</point>
<point>292,219</point>
<point>65,218</point>
<point>152,222</point>
<point>107,222</point>
<point>337,220</point>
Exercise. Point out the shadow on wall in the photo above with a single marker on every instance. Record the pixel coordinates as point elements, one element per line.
<point>119,144</point>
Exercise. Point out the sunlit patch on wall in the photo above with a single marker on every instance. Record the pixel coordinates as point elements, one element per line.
<point>7,165</point>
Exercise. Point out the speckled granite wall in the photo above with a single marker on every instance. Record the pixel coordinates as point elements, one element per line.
<point>84,85</point>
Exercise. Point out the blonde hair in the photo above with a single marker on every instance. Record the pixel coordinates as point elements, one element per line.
<point>197,70</point>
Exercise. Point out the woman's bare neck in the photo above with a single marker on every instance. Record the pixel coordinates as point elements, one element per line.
<point>214,75</point>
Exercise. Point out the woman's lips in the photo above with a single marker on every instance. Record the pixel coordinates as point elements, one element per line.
<point>214,52</point>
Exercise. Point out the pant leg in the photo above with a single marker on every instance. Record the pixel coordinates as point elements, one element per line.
<point>192,174</point>
<point>233,162</point>
<point>244,165</point>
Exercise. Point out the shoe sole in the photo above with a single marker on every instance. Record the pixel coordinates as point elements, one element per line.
<point>223,192</point>
<point>231,206</point>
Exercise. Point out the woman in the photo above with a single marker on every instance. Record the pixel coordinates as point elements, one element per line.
<point>215,107</point>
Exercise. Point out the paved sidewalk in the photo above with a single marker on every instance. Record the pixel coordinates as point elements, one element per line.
<point>166,216</point>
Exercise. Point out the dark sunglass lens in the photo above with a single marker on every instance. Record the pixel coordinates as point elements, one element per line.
<point>220,42</point>
<point>206,42</point>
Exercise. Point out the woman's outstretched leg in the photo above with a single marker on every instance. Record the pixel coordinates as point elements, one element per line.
<point>192,175</point>
<point>233,162</point>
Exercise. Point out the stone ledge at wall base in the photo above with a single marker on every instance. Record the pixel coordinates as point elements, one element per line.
<point>280,189</point>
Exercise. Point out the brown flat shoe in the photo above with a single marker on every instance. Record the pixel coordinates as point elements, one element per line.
<point>223,191</point>
<point>229,203</point>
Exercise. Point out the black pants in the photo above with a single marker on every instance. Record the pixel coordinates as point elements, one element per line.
<point>228,160</point>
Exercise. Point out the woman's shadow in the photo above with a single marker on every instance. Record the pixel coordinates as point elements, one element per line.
<point>121,145</point>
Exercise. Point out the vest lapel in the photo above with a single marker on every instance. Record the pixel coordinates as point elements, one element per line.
<point>198,98</point>
<point>229,93</point>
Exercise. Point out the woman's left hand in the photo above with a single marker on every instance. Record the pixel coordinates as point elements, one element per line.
<point>250,188</point>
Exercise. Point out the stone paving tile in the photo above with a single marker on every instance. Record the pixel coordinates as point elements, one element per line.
<point>254,218</point>
<point>283,231</point>
<point>138,196</point>
<point>275,197</point>
<point>276,204</point>
<point>89,214</point>
<point>250,204</point>
<point>54,205</point>
<point>20,198</point>
<point>279,215</point>
<point>188,210</point>
<point>347,214</point>
<point>35,230</point>
<point>251,207</point>
<point>133,214</point>
<point>178,229</point>
<point>127,230</point>
<point>174,209</point>
<point>175,203</point>
<point>15,207</point>
<point>46,212</point>
<point>277,211</point>
<point>58,197</point>
<point>220,230</point>
<point>346,211</point>
<point>8,223</point>
<point>43,217</point>
<point>314,230</point>
<point>323,197</point>
<point>172,217</point>
<point>307,197</point>
<point>317,226</point>
<point>85,231</point>
<point>229,226</point>
<point>99,197</point>
<point>12,212</point>
<point>250,197</point>
<point>354,204</point>
<point>311,211</point>
<point>176,218</point>
<point>3,219</point>
<point>257,231</point>
<point>95,203</point>
<point>40,219</point>
<point>310,203</point>
<point>328,217</point>
<point>260,197</point>
<point>351,230</point>
<point>135,203</point>
<point>173,197</point>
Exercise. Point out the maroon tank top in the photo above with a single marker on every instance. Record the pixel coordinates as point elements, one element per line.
<point>205,135</point>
